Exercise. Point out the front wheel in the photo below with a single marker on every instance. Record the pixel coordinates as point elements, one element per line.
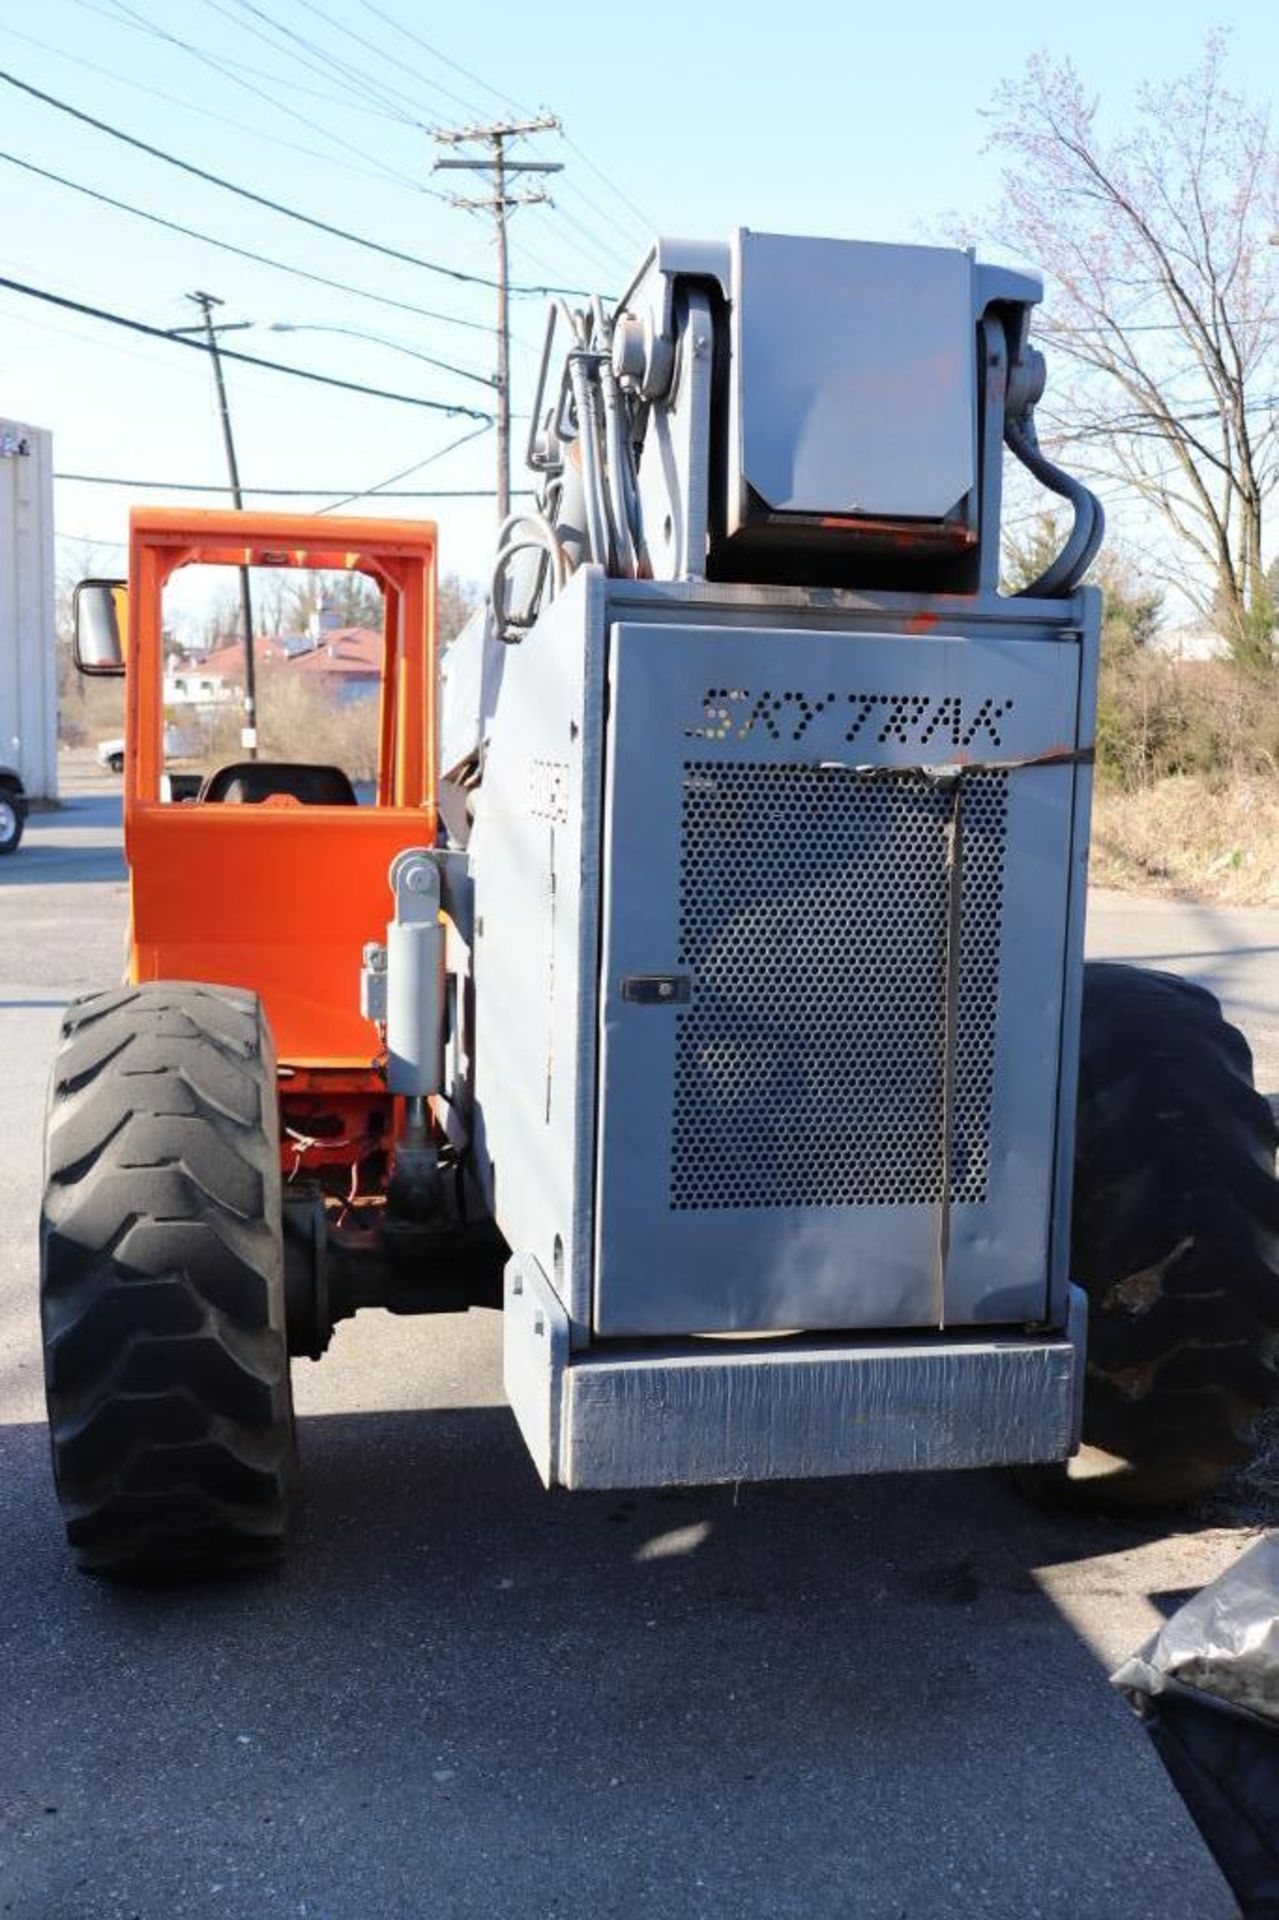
<point>162,1284</point>
<point>1175,1240</point>
<point>13,819</point>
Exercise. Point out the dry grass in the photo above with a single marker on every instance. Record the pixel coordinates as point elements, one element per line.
<point>1187,797</point>
<point>89,710</point>
<point>1193,837</point>
<point>299,720</point>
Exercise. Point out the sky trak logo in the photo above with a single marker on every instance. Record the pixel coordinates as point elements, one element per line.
<point>912,719</point>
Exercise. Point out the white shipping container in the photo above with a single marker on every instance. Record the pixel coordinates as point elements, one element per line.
<point>28,666</point>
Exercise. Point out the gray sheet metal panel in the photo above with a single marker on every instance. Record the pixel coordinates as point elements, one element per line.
<point>853,377</point>
<point>803,1410</point>
<point>534,862</point>
<point>660,1270</point>
<point>672,259</point>
<point>461,694</point>
<point>469,683</point>
<point>674,484</point>
<point>535,1355</point>
<point>791,1409</point>
<point>986,615</point>
<point>1073,971</point>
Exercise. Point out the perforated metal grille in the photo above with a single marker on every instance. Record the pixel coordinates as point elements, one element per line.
<point>813,920</point>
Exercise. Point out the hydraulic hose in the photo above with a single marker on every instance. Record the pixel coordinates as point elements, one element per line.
<point>580,367</point>
<point>535,527</point>
<point>1063,575</point>
<point>618,461</point>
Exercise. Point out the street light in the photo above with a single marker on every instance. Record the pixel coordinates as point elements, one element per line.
<point>379,340</point>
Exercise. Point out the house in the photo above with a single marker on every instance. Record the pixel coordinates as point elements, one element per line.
<point>346,661</point>
<point>1191,640</point>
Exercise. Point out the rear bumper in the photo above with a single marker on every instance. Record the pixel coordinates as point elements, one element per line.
<point>698,1412</point>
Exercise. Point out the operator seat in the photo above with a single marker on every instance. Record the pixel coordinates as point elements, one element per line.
<point>249,782</point>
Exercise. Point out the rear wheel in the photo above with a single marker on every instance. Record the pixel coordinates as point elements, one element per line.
<point>162,1284</point>
<point>1175,1240</point>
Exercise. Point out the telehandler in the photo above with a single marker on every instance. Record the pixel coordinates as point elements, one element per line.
<point>704,986</point>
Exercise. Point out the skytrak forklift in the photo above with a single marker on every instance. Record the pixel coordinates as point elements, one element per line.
<point>706,988</point>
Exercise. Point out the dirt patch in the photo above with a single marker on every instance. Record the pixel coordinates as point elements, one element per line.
<point>1192,838</point>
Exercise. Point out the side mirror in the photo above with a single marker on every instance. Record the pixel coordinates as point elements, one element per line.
<point>100,609</point>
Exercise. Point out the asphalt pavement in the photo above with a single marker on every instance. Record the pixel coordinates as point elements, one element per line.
<point>463,1697</point>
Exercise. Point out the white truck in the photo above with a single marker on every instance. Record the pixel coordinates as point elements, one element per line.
<point>28,672</point>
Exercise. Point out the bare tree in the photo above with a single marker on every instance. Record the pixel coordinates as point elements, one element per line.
<point>458,600</point>
<point>1164,303</point>
<point>351,598</point>
<point>220,626</point>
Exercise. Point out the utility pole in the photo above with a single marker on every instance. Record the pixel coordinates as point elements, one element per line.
<point>206,303</point>
<point>499,203</point>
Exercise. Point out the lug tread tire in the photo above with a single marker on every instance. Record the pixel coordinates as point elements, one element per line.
<point>1175,1236</point>
<point>162,1291</point>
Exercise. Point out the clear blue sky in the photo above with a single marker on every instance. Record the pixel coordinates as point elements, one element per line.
<point>825,118</point>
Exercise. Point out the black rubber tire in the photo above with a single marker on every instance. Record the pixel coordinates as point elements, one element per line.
<point>1175,1239</point>
<point>162,1284</point>
<point>116,763</point>
<point>12,830</point>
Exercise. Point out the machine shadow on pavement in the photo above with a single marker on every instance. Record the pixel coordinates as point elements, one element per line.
<point>742,1692</point>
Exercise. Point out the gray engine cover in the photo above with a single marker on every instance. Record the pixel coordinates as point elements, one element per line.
<point>710,957</point>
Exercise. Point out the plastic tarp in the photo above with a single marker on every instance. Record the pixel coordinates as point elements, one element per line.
<point>1207,1688</point>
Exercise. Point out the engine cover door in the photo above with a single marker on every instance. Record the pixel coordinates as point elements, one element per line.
<point>781,1142</point>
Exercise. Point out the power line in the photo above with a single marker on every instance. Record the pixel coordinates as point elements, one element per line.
<point>435,54</point>
<point>388,95</point>
<point>1148,425</point>
<point>625,230</point>
<point>380,340</point>
<point>227,67</point>
<point>244,253</point>
<point>126,16</point>
<point>378,53</point>
<point>261,200</point>
<point>246,359</point>
<point>607,256</point>
<point>90,540</point>
<point>614,189</point>
<point>1064,330</point>
<point>394,101</point>
<point>646,221</point>
<point>384,490</point>
<point>375,172</point>
<point>367,493</point>
<point>395,60</point>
